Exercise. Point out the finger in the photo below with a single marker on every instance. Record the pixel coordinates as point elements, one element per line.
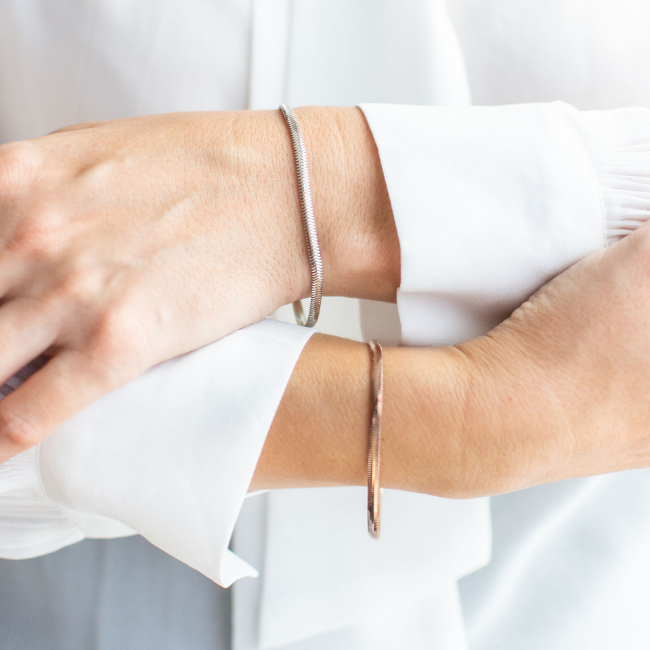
<point>64,386</point>
<point>27,328</point>
<point>12,271</point>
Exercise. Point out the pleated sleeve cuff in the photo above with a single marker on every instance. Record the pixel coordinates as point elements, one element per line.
<point>489,203</point>
<point>169,456</point>
<point>617,143</point>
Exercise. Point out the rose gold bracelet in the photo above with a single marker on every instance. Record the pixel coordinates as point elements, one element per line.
<point>374,439</point>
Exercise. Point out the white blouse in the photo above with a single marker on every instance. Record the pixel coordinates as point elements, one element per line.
<point>489,203</point>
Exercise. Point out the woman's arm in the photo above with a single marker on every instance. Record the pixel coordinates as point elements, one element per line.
<point>320,431</point>
<point>126,243</point>
<point>559,390</point>
<point>212,400</point>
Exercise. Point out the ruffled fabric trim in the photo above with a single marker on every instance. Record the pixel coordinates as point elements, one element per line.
<point>617,143</point>
<point>30,523</point>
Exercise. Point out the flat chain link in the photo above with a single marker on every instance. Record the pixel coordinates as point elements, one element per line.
<point>308,222</point>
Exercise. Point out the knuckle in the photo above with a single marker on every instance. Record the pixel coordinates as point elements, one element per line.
<point>18,431</point>
<point>81,284</point>
<point>40,236</point>
<point>20,162</point>
<point>110,367</point>
<point>118,345</point>
<point>113,327</point>
<point>115,334</point>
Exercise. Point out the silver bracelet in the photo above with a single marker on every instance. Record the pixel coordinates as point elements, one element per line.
<point>308,223</point>
<point>374,439</point>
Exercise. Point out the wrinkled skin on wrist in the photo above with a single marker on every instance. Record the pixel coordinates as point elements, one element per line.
<point>125,243</point>
<point>561,389</point>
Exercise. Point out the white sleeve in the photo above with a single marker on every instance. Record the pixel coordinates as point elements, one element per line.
<point>491,202</point>
<point>135,462</point>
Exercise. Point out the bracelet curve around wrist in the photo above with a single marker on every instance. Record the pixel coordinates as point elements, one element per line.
<point>308,221</point>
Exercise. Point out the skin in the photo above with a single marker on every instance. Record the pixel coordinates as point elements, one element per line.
<point>559,390</point>
<point>126,243</point>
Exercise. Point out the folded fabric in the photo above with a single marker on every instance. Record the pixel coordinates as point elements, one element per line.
<point>171,455</point>
<point>135,462</point>
<point>489,203</point>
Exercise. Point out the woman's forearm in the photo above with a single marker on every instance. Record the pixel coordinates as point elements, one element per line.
<point>358,237</point>
<point>129,242</point>
<point>559,390</point>
<point>449,428</point>
<point>320,431</point>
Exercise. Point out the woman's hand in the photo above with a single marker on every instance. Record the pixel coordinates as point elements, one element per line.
<point>560,390</point>
<point>125,243</point>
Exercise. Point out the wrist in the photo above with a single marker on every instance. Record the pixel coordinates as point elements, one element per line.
<point>319,436</point>
<point>356,229</point>
<point>515,422</point>
<point>319,432</point>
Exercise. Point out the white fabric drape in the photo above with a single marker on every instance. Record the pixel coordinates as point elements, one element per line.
<point>527,191</point>
<point>170,455</point>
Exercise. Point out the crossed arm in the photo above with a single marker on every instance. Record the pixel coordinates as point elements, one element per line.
<point>559,390</point>
<point>126,243</point>
<point>123,244</point>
